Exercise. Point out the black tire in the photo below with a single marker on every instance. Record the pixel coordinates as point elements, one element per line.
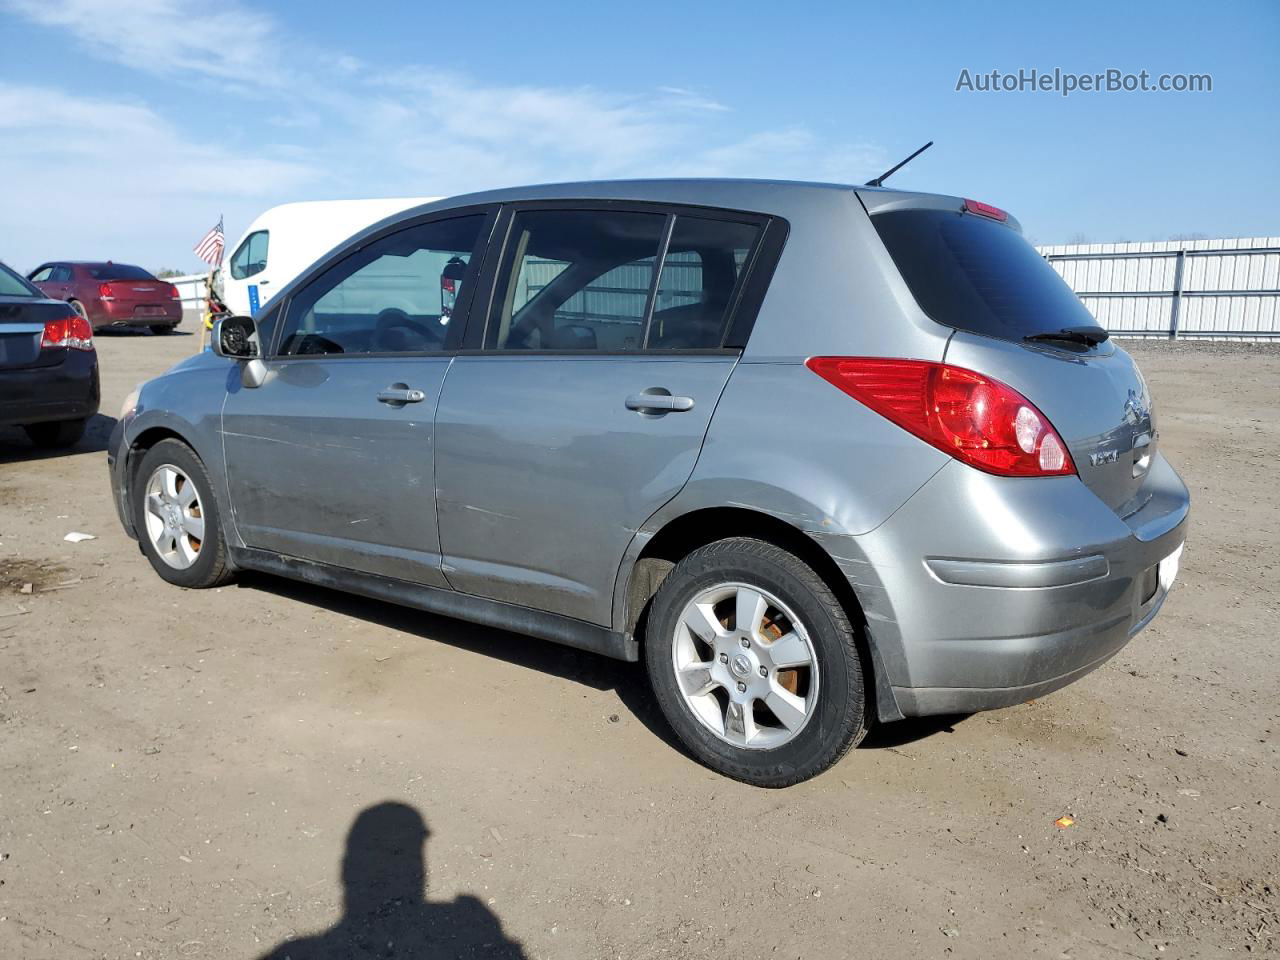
<point>162,329</point>
<point>210,568</point>
<point>839,718</point>
<point>56,434</point>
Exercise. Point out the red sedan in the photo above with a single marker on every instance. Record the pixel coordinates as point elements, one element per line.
<point>111,294</point>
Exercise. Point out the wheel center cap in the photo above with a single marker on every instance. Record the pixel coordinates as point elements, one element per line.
<point>740,665</point>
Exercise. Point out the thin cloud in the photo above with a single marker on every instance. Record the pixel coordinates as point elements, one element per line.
<point>355,130</point>
<point>113,175</point>
<point>221,40</point>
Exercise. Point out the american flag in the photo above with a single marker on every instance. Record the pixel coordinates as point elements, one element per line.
<point>209,249</point>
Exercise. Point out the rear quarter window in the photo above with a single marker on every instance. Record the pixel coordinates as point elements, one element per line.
<point>13,285</point>
<point>979,275</point>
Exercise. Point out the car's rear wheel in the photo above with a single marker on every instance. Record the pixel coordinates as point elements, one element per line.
<point>78,307</point>
<point>755,663</point>
<point>59,433</point>
<point>161,329</point>
<point>177,519</point>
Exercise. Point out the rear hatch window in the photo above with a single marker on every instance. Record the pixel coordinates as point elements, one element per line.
<point>973,273</point>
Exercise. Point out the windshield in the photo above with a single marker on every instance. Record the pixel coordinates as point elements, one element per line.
<point>118,271</point>
<point>12,285</point>
<point>979,275</point>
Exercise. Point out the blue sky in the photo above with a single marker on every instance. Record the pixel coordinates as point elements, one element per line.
<point>127,128</point>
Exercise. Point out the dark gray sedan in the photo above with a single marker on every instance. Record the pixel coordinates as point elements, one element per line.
<point>48,367</point>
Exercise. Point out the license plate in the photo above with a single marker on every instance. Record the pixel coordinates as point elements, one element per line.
<point>1169,569</point>
<point>148,311</point>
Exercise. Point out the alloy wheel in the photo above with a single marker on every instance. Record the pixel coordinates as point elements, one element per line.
<point>745,666</point>
<point>174,519</point>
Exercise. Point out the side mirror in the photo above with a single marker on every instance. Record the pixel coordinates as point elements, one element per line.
<point>235,337</point>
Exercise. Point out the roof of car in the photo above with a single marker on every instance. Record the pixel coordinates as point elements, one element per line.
<point>92,263</point>
<point>785,198</point>
<point>712,189</point>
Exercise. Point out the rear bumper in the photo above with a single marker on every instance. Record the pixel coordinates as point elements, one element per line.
<point>119,313</point>
<point>63,391</point>
<point>983,592</point>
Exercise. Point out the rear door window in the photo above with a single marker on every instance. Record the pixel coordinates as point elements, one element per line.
<point>976,274</point>
<point>250,257</point>
<point>577,280</point>
<point>60,275</point>
<point>701,276</point>
<point>584,280</point>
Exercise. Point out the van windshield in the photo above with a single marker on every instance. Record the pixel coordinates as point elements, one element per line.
<point>979,275</point>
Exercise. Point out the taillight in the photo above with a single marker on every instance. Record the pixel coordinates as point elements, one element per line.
<point>104,292</point>
<point>978,420</point>
<point>73,332</point>
<point>173,293</point>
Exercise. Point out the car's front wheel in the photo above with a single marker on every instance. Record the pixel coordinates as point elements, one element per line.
<point>177,519</point>
<point>755,664</point>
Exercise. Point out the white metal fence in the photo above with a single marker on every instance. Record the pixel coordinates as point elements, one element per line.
<point>1224,289</point>
<point>191,290</point>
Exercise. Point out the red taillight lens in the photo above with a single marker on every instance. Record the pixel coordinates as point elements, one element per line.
<point>173,293</point>
<point>985,210</point>
<point>73,333</point>
<point>978,420</point>
<point>104,292</point>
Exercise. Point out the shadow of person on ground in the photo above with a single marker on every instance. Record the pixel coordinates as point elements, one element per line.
<point>385,910</point>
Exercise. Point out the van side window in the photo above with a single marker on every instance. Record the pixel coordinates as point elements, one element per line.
<point>699,284</point>
<point>576,280</point>
<point>251,256</point>
<point>395,295</point>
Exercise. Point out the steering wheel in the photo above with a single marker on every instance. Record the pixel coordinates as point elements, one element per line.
<point>392,319</point>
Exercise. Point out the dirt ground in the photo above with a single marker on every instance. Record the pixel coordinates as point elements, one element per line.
<point>180,771</point>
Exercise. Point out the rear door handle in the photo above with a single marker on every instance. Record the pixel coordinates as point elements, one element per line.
<point>664,402</point>
<point>399,395</point>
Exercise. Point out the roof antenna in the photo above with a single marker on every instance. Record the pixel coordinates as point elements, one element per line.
<point>879,181</point>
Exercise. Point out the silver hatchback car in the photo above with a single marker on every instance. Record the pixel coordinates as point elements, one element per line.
<point>820,455</point>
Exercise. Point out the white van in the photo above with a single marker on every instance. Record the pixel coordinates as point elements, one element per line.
<point>285,240</point>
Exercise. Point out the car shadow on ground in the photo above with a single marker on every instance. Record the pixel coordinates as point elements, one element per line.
<point>886,736</point>
<point>627,680</point>
<point>15,447</point>
<point>385,909</point>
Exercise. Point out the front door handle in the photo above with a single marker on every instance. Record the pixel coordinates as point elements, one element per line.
<point>656,402</point>
<point>398,394</point>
